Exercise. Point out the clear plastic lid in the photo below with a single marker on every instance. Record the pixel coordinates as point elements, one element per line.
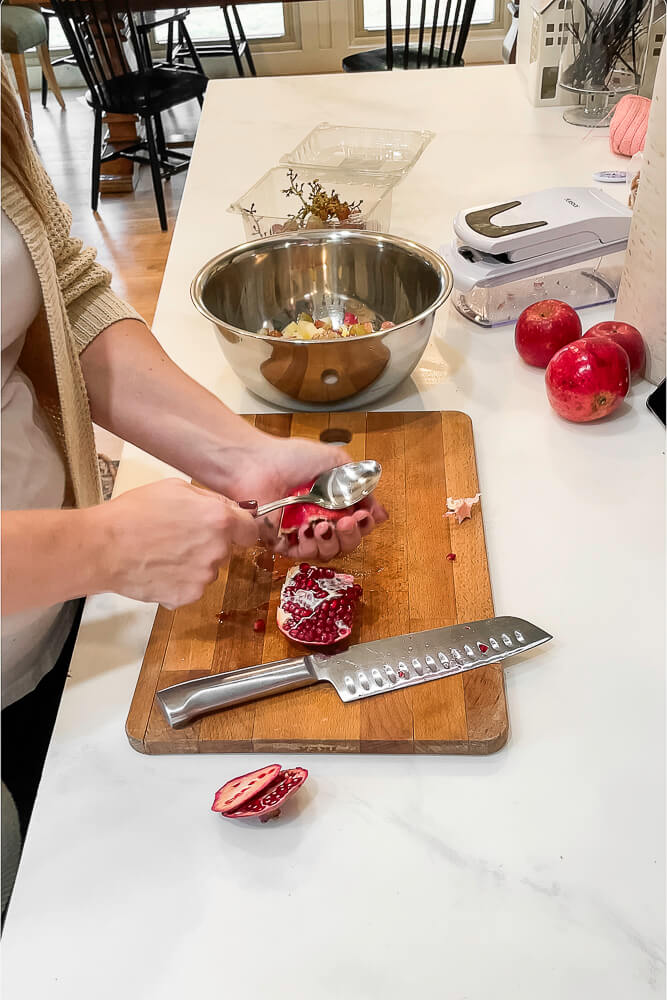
<point>367,150</point>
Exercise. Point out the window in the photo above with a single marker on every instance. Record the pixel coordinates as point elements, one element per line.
<point>260,20</point>
<point>57,38</point>
<point>374,13</point>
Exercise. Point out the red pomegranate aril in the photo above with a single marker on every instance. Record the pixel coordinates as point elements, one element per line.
<point>259,625</point>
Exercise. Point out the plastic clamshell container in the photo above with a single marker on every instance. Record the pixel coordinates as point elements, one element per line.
<point>265,209</point>
<point>367,150</point>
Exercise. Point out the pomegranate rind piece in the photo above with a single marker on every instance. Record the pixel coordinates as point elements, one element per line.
<point>328,605</point>
<point>461,507</point>
<point>298,515</point>
<point>239,790</point>
<point>268,803</point>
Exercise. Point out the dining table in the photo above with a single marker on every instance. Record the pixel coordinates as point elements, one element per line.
<point>533,873</point>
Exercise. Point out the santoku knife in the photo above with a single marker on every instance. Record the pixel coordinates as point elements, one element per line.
<point>361,671</point>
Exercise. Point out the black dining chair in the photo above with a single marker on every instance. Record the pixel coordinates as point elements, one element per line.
<point>181,47</point>
<point>116,65</point>
<point>178,50</point>
<point>431,48</point>
<point>234,46</point>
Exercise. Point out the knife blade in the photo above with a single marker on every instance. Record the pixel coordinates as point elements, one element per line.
<point>362,670</point>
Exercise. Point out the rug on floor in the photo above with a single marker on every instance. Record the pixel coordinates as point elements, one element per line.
<point>108,469</point>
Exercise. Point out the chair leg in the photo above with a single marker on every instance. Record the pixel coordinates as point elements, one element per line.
<point>159,134</point>
<point>194,55</point>
<point>244,40</point>
<point>45,86</point>
<point>169,54</point>
<point>155,171</point>
<point>97,160</point>
<point>232,42</point>
<point>47,72</point>
<point>180,59</point>
<point>21,74</point>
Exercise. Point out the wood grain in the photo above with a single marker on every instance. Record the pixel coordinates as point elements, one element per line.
<point>386,724</point>
<point>409,585</point>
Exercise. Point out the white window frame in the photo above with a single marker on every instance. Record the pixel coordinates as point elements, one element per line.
<point>290,39</point>
<point>480,46</point>
<point>318,35</point>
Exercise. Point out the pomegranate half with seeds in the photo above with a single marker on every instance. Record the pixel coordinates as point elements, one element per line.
<point>317,605</point>
<point>258,794</point>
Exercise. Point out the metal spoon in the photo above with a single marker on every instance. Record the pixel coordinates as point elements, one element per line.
<point>338,488</point>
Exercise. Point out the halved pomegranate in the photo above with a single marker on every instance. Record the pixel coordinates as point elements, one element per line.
<point>240,790</point>
<point>266,804</point>
<point>298,515</point>
<point>317,605</point>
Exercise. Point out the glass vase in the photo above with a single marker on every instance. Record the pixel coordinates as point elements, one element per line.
<point>601,55</point>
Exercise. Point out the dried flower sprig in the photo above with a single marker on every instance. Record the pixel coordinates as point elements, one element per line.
<point>252,214</point>
<point>317,203</point>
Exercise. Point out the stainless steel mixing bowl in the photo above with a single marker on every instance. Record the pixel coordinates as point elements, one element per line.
<point>324,273</point>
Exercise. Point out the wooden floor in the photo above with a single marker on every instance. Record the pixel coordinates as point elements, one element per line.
<point>125,231</point>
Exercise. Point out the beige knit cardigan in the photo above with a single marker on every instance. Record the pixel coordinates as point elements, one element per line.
<point>77,305</point>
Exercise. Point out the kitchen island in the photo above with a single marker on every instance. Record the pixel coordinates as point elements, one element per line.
<point>535,873</point>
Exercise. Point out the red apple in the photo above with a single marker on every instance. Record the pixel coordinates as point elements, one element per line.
<point>543,328</point>
<point>588,380</point>
<point>626,336</point>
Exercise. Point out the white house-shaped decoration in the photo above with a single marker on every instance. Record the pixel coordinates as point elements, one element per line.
<point>654,43</point>
<point>544,30</point>
<point>548,34</point>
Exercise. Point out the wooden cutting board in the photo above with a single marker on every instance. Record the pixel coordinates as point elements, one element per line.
<point>409,585</point>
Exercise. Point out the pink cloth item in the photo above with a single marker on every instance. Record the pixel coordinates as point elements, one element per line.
<point>627,132</point>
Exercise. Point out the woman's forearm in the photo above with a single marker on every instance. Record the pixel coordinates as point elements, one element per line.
<point>49,556</point>
<point>137,392</point>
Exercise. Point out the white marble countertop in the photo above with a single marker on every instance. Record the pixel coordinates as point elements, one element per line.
<point>533,874</point>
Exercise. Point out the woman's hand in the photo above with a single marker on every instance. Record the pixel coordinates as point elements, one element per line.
<point>137,392</point>
<point>165,542</point>
<point>275,467</point>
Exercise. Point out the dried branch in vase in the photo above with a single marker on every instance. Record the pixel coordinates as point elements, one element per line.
<point>606,40</point>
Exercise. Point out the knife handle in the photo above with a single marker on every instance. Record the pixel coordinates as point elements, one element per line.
<point>182,703</point>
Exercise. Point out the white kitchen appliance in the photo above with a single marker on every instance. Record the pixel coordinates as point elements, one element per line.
<point>505,256</point>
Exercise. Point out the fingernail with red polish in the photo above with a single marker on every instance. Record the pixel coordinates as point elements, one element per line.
<point>327,534</point>
<point>309,531</point>
<point>364,522</point>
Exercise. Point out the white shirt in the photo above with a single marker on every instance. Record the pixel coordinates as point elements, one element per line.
<point>33,471</point>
